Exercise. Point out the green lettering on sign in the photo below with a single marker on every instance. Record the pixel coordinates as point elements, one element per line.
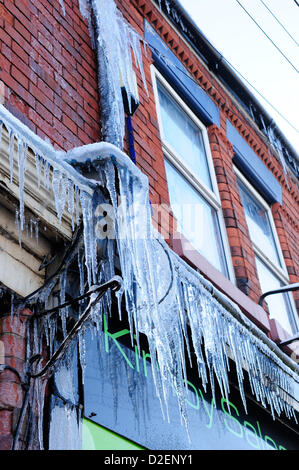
<point>234,422</point>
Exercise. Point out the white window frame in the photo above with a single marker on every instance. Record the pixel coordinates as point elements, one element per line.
<point>280,272</point>
<point>211,196</point>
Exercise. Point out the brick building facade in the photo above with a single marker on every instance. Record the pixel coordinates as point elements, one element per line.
<point>49,82</point>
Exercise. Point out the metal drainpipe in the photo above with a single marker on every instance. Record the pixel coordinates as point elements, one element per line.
<point>131,139</point>
<point>108,113</point>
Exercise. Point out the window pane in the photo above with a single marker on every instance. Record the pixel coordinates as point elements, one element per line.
<point>196,220</point>
<point>183,136</point>
<point>279,304</point>
<point>259,225</point>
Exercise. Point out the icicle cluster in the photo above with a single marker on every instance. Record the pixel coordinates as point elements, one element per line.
<point>276,143</point>
<point>70,189</point>
<point>164,318</point>
<point>115,42</point>
<point>162,297</point>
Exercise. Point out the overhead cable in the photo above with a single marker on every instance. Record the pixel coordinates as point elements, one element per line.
<point>268,37</point>
<point>279,22</point>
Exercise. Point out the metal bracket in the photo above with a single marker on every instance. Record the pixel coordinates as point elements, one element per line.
<point>95,294</point>
<point>290,340</point>
<point>287,288</point>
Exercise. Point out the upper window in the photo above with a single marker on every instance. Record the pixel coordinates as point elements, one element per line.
<point>270,265</point>
<point>259,226</point>
<point>182,135</point>
<point>192,187</point>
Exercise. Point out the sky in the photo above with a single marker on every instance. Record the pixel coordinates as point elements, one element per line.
<point>233,33</point>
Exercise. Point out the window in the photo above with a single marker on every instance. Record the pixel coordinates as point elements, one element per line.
<point>270,265</point>
<point>193,192</point>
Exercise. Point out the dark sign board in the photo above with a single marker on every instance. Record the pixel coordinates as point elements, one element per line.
<point>120,394</point>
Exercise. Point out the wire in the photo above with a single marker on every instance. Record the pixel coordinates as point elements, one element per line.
<point>168,63</point>
<point>297,44</point>
<point>98,291</point>
<point>262,96</point>
<point>296,3</point>
<point>268,37</point>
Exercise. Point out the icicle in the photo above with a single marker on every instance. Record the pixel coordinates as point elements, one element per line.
<point>36,230</point>
<point>82,352</point>
<point>81,273</point>
<point>17,219</point>
<point>39,398</point>
<point>1,128</point>
<point>11,152</point>
<point>63,311</point>
<point>115,39</point>
<point>89,237</point>
<point>59,185</point>
<point>22,155</point>
<point>47,167</point>
<point>38,166</point>
<point>70,200</point>
<point>77,198</point>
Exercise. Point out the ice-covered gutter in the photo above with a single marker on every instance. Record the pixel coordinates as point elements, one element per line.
<point>114,41</point>
<point>40,147</point>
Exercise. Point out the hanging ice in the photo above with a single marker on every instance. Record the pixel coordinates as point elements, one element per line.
<point>163,297</point>
<point>115,41</point>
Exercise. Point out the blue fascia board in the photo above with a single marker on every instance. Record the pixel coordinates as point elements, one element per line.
<point>252,167</point>
<point>178,77</point>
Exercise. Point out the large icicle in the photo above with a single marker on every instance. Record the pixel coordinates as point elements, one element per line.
<point>115,40</point>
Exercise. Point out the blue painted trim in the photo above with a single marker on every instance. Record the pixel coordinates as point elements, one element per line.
<point>178,77</point>
<point>252,167</point>
<point>131,139</point>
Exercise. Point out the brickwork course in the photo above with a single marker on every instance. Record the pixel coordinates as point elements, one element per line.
<point>48,80</point>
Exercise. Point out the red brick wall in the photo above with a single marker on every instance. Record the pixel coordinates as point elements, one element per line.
<point>13,344</point>
<point>48,68</point>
